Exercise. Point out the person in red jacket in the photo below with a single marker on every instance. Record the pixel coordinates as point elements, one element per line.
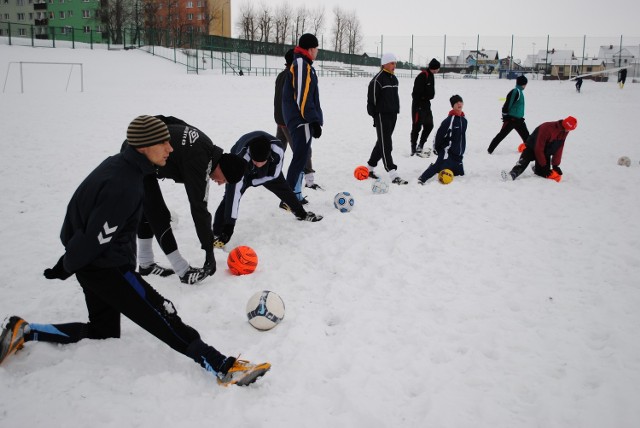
<point>544,146</point>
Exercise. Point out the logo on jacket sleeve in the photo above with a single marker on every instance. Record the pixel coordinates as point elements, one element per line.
<point>106,233</point>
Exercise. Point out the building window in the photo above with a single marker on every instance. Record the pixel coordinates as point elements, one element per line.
<point>86,14</point>
<point>189,16</point>
<point>30,16</point>
<point>21,17</point>
<point>61,14</point>
<point>52,15</point>
<point>189,4</point>
<point>22,31</point>
<point>86,29</point>
<point>69,14</point>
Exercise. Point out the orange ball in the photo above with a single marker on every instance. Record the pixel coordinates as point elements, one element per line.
<point>361,172</point>
<point>242,260</point>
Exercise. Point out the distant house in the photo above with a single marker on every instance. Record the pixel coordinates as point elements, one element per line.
<point>616,56</point>
<point>485,61</point>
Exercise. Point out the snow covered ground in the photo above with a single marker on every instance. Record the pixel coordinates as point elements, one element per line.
<point>477,304</point>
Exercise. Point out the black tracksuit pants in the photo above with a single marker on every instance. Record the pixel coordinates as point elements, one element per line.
<point>385,124</point>
<point>508,126</point>
<point>110,292</point>
<point>422,119</point>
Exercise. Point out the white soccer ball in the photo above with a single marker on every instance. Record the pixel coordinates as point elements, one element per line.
<point>344,202</point>
<point>380,186</point>
<point>265,310</point>
<point>624,161</point>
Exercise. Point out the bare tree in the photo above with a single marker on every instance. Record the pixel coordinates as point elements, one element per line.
<point>114,14</point>
<point>282,22</point>
<point>317,20</point>
<point>265,22</point>
<point>247,23</point>
<point>299,23</point>
<point>353,33</point>
<point>339,28</point>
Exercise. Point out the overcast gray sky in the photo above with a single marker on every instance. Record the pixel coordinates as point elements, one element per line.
<point>493,17</point>
<point>529,21</point>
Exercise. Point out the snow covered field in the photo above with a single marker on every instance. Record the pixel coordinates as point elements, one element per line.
<point>477,304</point>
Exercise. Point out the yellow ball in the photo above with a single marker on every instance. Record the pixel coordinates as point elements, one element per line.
<point>445,176</point>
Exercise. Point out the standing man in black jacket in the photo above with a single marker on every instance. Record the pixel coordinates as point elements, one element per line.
<point>194,161</point>
<point>424,90</point>
<point>282,132</point>
<point>99,236</point>
<point>383,104</point>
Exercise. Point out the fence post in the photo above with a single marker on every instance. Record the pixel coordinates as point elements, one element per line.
<point>31,30</point>
<point>9,30</point>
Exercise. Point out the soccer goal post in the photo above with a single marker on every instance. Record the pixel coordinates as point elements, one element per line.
<point>66,71</point>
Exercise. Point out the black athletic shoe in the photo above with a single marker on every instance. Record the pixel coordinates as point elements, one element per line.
<point>373,175</point>
<point>399,181</point>
<point>193,276</point>
<point>310,217</point>
<point>154,269</point>
<point>313,186</point>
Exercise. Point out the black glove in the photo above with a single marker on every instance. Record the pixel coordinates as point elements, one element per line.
<point>542,171</point>
<point>557,170</point>
<point>57,272</point>
<point>222,239</point>
<point>316,129</point>
<point>209,263</point>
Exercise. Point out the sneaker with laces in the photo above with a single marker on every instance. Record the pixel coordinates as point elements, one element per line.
<point>424,153</point>
<point>506,175</point>
<point>240,372</point>
<point>399,181</point>
<point>310,217</point>
<point>193,276</point>
<point>12,338</point>
<point>155,269</point>
<point>373,175</point>
<point>420,182</point>
<point>313,186</point>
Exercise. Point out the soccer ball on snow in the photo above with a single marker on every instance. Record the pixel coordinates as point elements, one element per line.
<point>265,310</point>
<point>379,186</point>
<point>344,202</point>
<point>361,172</point>
<point>445,176</point>
<point>624,161</point>
<point>242,260</point>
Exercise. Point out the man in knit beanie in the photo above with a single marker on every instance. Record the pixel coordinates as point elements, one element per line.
<point>301,109</point>
<point>424,89</point>
<point>281,131</point>
<point>99,239</point>
<point>193,161</point>
<point>513,116</point>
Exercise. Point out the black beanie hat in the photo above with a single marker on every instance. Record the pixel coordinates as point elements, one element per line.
<point>288,57</point>
<point>260,148</point>
<point>434,64</point>
<point>521,80</point>
<point>232,167</point>
<point>145,131</point>
<point>454,99</point>
<point>308,41</point>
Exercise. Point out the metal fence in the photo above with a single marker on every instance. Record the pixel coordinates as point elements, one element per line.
<point>457,54</point>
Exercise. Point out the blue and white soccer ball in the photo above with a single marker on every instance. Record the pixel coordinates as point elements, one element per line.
<point>344,202</point>
<point>265,310</point>
<point>380,186</point>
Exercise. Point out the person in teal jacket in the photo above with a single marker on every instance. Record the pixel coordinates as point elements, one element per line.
<point>513,116</point>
